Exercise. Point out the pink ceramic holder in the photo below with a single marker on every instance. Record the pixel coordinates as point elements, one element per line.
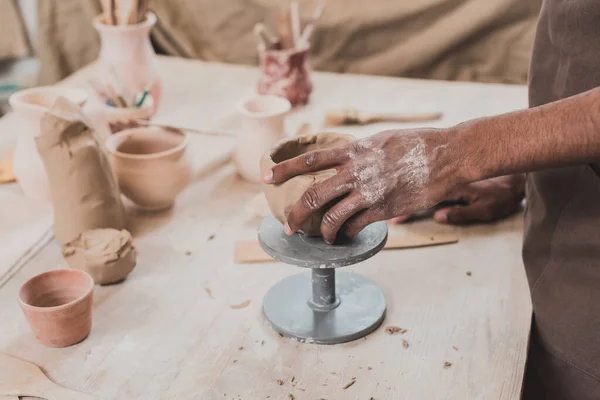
<point>58,306</point>
<point>128,51</point>
<point>285,73</point>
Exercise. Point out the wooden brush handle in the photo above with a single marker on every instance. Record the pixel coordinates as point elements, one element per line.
<point>396,117</point>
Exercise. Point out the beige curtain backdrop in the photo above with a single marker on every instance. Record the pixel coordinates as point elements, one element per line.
<point>13,36</point>
<point>474,40</point>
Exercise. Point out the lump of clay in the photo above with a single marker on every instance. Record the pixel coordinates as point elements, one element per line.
<point>85,194</point>
<point>282,197</point>
<point>108,255</point>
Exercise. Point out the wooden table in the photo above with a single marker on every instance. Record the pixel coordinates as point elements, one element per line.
<point>170,332</point>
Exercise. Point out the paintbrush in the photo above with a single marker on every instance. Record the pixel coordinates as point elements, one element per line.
<point>295,17</point>
<point>265,37</point>
<point>198,131</point>
<point>284,28</point>
<point>309,28</point>
<point>354,117</point>
<point>112,12</point>
<point>142,10</point>
<point>125,95</point>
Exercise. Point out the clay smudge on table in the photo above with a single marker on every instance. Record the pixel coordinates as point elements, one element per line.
<point>347,385</point>
<point>243,304</point>
<point>209,292</point>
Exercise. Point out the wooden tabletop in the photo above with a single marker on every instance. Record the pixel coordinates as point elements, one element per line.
<point>170,332</point>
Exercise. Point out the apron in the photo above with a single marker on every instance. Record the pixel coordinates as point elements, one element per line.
<point>561,248</point>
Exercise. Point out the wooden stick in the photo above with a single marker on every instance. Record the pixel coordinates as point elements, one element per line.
<point>250,251</point>
<point>112,12</point>
<point>295,13</point>
<point>284,28</point>
<point>308,30</point>
<point>198,131</point>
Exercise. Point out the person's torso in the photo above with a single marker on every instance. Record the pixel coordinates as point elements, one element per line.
<point>562,232</point>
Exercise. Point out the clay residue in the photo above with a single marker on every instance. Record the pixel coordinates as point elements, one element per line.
<point>243,304</point>
<point>108,255</point>
<point>376,174</point>
<point>209,292</point>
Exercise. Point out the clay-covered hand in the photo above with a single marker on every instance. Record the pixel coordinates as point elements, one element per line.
<point>389,174</point>
<point>485,201</point>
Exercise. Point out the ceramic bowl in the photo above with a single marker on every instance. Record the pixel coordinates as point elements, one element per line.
<point>151,165</point>
<point>58,306</point>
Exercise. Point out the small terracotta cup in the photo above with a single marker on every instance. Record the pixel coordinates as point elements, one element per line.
<point>151,165</point>
<point>285,73</point>
<point>58,306</point>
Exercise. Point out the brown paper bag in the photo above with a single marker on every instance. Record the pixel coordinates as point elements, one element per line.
<point>84,190</point>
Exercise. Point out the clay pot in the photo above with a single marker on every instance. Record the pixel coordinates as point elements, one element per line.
<point>58,306</point>
<point>29,106</point>
<point>262,127</point>
<point>282,197</point>
<point>151,165</point>
<point>108,255</point>
<point>127,50</point>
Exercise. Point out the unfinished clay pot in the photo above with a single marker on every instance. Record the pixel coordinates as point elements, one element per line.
<point>282,197</point>
<point>151,165</point>
<point>58,306</point>
<point>108,255</point>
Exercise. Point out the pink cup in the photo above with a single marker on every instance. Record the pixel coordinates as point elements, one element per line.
<point>285,73</point>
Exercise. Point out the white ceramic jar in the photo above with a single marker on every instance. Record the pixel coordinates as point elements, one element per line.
<point>263,126</point>
<point>29,106</point>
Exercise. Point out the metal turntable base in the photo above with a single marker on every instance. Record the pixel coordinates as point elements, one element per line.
<point>316,307</point>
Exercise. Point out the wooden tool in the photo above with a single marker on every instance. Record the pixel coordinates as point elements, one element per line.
<point>309,28</point>
<point>284,28</point>
<point>198,131</point>
<point>22,378</point>
<point>251,252</point>
<point>354,117</point>
<point>6,168</point>
<point>269,41</point>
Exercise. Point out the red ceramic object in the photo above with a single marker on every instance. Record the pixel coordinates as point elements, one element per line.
<point>285,73</point>
<point>58,306</point>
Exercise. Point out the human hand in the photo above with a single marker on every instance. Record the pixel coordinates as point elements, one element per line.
<point>391,173</point>
<point>485,201</point>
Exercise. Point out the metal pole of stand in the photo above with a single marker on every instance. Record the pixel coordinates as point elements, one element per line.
<point>323,290</point>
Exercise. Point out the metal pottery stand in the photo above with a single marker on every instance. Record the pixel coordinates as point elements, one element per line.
<point>323,306</point>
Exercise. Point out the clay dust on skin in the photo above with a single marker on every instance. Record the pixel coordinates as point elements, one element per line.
<point>375,177</point>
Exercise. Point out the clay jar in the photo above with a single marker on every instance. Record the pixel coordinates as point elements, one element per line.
<point>58,306</point>
<point>29,106</point>
<point>282,197</point>
<point>263,125</point>
<point>151,165</point>
<point>127,50</point>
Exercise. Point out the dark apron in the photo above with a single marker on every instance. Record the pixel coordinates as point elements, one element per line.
<point>561,249</point>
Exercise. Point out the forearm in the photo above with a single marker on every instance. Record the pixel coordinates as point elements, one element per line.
<point>563,133</point>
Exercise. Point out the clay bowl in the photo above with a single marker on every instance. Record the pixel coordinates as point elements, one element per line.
<point>281,198</point>
<point>151,165</point>
<point>58,306</point>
